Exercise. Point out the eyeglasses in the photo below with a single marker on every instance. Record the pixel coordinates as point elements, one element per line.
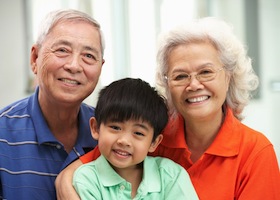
<point>182,78</point>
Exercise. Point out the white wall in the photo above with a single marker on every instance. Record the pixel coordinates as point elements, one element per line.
<point>13,53</point>
<point>263,114</point>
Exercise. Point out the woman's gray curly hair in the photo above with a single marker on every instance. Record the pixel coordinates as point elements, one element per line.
<point>233,54</point>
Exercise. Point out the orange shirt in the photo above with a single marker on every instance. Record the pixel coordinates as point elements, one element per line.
<point>240,163</point>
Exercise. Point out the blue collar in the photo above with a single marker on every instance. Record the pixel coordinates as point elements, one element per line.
<point>44,134</point>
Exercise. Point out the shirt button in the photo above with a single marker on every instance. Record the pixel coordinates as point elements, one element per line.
<point>58,146</point>
<point>122,187</point>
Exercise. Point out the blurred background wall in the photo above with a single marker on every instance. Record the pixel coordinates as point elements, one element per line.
<point>131,29</point>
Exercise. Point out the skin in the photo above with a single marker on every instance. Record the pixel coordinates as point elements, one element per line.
<point>125,145</point>
<point>67,191</point>
<point>200,103</point>
<point>67,65</point>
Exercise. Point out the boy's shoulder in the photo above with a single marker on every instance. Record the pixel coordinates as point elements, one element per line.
<point>161,160</point>
<point>164,165</point>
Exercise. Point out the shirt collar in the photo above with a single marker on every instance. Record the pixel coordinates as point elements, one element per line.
<point>107,174</point>
<point>228,138</point>
<point>174,133</point>
<point>44,134</point>
<point>109,177</point>
<point>225,144</point>
<point>151,172</point>
<point>42,130</point>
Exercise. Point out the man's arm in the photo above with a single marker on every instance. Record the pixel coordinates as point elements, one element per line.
<point>63,182</point>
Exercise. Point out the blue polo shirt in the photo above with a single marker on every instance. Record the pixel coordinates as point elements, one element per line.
<point>30,156</point>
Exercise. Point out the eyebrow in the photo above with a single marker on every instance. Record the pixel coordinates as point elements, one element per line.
<point>180,68</point>
<point>142,126</point>
<point>67,43</point>
<point>208,64</point>
<point>88,48</point>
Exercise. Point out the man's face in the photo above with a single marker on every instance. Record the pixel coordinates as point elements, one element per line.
<point>68,63</point>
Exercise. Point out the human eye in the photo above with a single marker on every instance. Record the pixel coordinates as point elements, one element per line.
<point>137,133</point>
<point>114,127</point>
<point>60,50</point>
<point>180,76</point>
<point>88,55</point>
<point>205,73</point>
<point>90,58</point>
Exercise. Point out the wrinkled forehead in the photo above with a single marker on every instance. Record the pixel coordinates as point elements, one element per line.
<point>73,34</point>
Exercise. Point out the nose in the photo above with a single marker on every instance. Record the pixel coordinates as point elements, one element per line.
<point>73,65</point>
<point>124,140</point>
<point>194,84</point>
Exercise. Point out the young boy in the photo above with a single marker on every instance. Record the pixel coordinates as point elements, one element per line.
<point>129,119</point>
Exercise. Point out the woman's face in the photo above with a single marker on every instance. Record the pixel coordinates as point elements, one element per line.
<point>199,100</point>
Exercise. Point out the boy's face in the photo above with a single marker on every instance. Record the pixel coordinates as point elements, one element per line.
<point>125,144</point>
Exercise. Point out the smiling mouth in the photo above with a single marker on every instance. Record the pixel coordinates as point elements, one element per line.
<point>197,99</point>
<point>122,153</point>
<point>73,82</point>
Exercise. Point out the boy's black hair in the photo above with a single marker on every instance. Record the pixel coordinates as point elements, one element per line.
<point>135,99</point>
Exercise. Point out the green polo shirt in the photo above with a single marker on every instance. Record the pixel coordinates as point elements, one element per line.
<point>163,179</point>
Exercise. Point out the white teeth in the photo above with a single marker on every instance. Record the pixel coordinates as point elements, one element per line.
<point>122,153</point>
<point>70,81</point>
<point>197,99</point>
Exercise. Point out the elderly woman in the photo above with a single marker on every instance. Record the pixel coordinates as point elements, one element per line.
<point>208,79</point>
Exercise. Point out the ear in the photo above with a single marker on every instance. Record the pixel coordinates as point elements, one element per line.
<point>227,77</point>
<point>155,143</point>
<point>33,58</point>
<point>93,128</point>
